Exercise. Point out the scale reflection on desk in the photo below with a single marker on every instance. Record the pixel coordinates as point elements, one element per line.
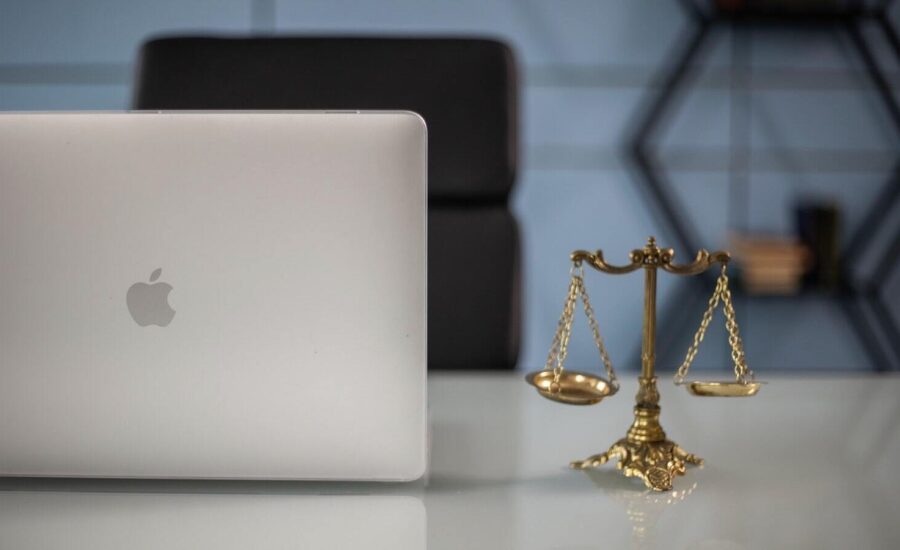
<point>644,452</point>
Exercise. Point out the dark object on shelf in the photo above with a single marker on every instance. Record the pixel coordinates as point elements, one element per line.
<point>818,226</point>
<point>854,297</point>
<point>465,89</point>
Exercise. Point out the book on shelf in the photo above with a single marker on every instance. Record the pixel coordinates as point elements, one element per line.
<point>770,264</point>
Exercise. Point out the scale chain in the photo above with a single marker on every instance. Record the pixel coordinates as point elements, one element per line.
<point>741,371</point>
<point>598,340</point>
<point>560,347</point>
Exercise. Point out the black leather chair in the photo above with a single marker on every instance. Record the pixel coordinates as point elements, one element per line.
<point>466,91</point>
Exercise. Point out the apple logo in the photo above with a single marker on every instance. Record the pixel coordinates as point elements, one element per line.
<point>149,304</point>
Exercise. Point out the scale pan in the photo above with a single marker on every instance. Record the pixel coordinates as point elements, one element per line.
<point>573,388</point>
<point>724,389</point>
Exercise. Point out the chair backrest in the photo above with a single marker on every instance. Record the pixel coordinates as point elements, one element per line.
<point>466,91</point>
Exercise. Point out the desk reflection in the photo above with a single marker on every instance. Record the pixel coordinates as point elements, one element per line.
<point>810,464</point>
<point>644,508</point>
<point>107,520</point>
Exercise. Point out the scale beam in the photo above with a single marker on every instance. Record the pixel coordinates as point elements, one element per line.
<point>641,258</point>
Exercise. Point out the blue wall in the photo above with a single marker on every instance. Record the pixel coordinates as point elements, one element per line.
<point>816,128</point>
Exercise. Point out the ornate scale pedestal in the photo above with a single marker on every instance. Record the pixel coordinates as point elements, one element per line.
<point>644,452</point>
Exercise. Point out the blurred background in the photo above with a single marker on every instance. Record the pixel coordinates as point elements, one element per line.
<point>769,128</point>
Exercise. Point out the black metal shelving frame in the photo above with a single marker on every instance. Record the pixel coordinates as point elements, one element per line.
<point>862,302</point>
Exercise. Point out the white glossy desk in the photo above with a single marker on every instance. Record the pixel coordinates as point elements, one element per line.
<point>805,464</point>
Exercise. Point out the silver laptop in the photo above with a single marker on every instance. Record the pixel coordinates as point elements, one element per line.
<point>213,295</point>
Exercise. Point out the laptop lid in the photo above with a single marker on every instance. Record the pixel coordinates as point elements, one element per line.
<point>213,295</point>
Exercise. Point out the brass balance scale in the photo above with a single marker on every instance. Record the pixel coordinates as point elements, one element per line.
<point>644,452</point>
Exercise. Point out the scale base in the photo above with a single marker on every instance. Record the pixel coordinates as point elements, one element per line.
<point>657,463</point>
<point>645,452</point>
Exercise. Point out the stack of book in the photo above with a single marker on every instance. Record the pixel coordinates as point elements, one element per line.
<point>770,265</point>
